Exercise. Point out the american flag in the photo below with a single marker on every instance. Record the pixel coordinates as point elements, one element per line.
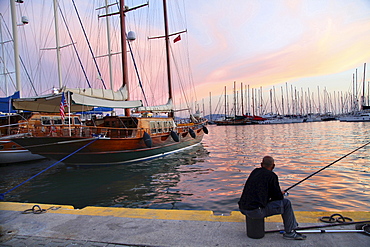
<point>63,104</point>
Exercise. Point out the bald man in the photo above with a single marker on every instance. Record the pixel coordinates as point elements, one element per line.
<point>262,197</point>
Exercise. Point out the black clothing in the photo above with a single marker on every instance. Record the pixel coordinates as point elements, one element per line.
<point>262,186</point>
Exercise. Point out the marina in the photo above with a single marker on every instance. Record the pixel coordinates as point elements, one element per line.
<point>210,176</point>
<point>105,138</point>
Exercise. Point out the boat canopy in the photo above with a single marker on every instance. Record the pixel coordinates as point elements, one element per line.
<point>81,100</point>
<point>5,105</point>
<point>159,108</point>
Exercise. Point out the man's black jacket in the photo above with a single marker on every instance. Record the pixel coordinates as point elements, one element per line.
<point>261,187</point>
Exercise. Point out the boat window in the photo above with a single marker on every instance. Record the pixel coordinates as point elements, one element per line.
<point>153,128</point>
<point>57,120</point>
<point>77,121</point>
<point>67,120</point>
<point>172,125</point>
<point>1,147</point>
<point>127,123</point>
<point>166,126</point>
<point>159,124</point>
<point>45,121</point>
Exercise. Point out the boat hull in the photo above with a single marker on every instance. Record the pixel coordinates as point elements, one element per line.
<point>355,119</point>
<point>106,151</point>
<point>12,153</point>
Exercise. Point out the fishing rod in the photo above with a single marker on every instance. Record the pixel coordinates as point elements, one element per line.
<point>359,223</point>
<point>325,167</point>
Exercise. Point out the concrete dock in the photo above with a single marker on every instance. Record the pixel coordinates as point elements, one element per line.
<point>61,225</point>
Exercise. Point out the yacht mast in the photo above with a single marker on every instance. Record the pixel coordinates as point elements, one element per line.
<point>3,55</point>
<point>124,52</point>
<point>109,47</point>
<point>16,51</point>
<point>56,26</point>
<point>363,89</point>
<point>166,37</point>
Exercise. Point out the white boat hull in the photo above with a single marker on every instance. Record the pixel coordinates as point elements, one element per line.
<point>283,121</point>
<point>7,157</point>
<point>358,118</point>
<point>11,152</point>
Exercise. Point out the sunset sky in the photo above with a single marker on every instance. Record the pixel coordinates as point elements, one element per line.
<point>307,43</point>
<point>264,43</point>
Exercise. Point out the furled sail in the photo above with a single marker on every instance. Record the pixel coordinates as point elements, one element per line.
<point>108,94</point>
<point>159,108</point>
<point>81,100</point>
<point>102,97</point>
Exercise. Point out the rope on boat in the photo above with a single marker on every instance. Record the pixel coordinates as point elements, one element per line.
<point>325,167</point>
<point>2,195</point>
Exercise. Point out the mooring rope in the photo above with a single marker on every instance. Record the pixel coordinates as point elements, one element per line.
<point>2,195</point>
<point>36,209</point>
<point>286,190</point>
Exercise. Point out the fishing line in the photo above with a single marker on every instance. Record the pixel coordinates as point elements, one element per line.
<point>326,167</point>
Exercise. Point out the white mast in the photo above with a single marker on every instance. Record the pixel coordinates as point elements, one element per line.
<point>109,47</point>
<point>3,56</point>
<point>56,26</point>
<point>16,51</point>
<point>363,89</point>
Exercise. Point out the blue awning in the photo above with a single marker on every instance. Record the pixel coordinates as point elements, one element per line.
<point>6,103</point>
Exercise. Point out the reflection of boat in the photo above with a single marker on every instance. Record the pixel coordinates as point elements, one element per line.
<point>113,139</point>
<point>148,184</point>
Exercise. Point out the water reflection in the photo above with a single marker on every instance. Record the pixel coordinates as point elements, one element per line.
<point>144,184</point>
<point>211,176</point>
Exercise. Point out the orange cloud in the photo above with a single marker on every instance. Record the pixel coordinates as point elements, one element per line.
<point>327,46</point>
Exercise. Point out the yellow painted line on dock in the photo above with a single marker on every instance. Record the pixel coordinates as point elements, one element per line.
<point>165,214</point>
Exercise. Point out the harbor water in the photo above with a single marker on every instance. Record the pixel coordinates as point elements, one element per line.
<point>211,176</point>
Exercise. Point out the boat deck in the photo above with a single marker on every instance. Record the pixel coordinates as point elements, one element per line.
<point>100,226</point>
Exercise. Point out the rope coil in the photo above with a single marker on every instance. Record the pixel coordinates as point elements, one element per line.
<point>331,219</point>
<point>36,209</point>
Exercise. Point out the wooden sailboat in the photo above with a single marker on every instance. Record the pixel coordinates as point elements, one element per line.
<point>113,139</point>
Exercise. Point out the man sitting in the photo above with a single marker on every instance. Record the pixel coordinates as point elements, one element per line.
<point>262,197</point>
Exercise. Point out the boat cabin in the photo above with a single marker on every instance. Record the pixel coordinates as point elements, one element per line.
<point>51,119</point>
<point>150,125</point>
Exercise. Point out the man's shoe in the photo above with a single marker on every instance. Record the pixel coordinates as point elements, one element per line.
<point>294,236</point>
